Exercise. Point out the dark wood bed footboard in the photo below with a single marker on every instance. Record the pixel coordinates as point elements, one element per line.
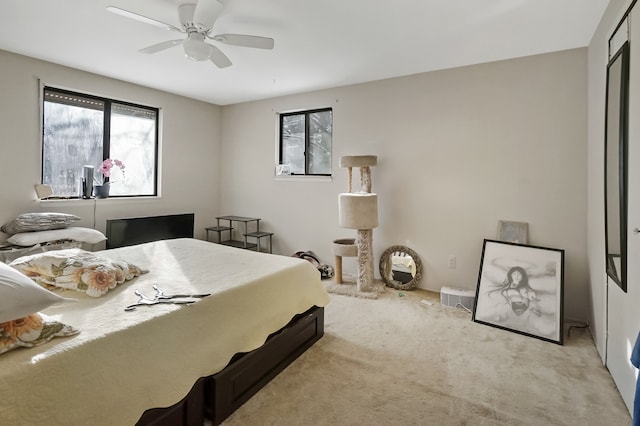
<point>188,412</point>
<point>240,380</point>
<point>217,396</point>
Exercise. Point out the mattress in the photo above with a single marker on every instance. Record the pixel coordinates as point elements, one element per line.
<point>123,363</point>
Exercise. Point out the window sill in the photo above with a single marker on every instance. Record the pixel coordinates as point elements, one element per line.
<point>301,178</point>
<point>80,201</point>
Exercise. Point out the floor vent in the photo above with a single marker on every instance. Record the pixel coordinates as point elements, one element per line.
<point>457,298</point>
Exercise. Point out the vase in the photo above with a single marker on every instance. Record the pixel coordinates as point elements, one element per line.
<point>101,191</point>
<point>87,182</point>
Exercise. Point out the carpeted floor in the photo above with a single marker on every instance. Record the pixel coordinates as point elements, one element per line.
<point>396,361</point>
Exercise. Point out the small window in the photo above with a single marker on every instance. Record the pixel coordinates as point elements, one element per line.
<point>305,141</point>
<point>81,130</point>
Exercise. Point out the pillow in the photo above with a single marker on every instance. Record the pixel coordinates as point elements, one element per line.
<point>29,222</point>
<point>33,330</point>
<point>76,269</point>
<point>85,235</point>
<point>20,296</point>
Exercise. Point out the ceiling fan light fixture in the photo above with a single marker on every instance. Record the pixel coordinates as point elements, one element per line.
<point>197,22</point>
<point>196,49</point>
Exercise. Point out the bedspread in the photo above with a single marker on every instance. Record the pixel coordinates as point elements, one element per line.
<point>123,363</point>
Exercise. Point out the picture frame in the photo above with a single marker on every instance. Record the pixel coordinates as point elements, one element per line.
<point>43,191</point>
<point>520,289</point>
<point>513,232</point>
<point>283,170</point>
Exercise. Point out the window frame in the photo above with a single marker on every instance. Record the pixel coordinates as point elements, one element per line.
<point>106,133</point>
<point>306,114</point>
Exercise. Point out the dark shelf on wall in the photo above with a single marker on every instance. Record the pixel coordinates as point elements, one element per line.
<point>258,235</point>
<point>227,239</point>
<point>239,244</point>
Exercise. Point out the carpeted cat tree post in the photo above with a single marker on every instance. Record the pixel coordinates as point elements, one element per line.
<point>359,210</point>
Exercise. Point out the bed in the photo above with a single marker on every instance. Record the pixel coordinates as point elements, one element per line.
<point>167,364</point>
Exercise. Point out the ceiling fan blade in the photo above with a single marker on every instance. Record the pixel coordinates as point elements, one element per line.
<point>141,18</point>
<point>185,13</point>
<point>245,40</point>
<point>218,58</point>
<point>206,13</point>
<point>161,46</point>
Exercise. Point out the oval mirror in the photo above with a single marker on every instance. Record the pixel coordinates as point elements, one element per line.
<point>400,268</point>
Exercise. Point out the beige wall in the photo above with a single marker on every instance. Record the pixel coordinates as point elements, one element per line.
<point>190,146</point>
<point>457,151</point>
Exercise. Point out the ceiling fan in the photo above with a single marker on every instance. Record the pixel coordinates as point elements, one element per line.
<point>197,23</point>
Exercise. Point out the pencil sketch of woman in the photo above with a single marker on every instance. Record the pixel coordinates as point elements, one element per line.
<point>510,300</point>
<point>517,293</point>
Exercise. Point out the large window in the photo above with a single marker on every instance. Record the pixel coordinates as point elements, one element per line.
<point>305,141</point>
<point>81,130</point>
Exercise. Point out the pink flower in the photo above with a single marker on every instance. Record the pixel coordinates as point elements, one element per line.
<point>108,164</point>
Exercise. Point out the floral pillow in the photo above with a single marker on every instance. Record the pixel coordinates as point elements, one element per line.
<point>30,331</point>
<point>77,269</point>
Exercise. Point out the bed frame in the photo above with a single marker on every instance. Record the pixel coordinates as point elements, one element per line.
<point>216,397</point>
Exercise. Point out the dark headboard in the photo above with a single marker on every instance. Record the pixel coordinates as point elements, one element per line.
<point>137,230</point>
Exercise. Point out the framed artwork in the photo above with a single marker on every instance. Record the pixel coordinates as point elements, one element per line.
<point>513,232</point>
<point>283,170</point>
<point>520,289</point>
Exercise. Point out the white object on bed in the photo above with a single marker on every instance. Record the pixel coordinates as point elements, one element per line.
<point>85,235</point>
<point>123,363</point>
<point>20,296</point>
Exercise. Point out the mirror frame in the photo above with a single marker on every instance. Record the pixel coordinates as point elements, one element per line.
<point>384,266</point>
<point>616,166</point>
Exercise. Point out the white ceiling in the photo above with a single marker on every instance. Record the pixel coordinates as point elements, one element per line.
<point>318,43</point>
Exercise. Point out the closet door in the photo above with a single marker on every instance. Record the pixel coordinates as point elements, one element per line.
<point>624,308</point>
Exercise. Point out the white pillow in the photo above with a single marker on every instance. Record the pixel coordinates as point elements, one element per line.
<point>85,235</point>
<point>20,296</point>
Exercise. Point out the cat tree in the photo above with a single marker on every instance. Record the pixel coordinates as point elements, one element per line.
<point>359,211</point>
